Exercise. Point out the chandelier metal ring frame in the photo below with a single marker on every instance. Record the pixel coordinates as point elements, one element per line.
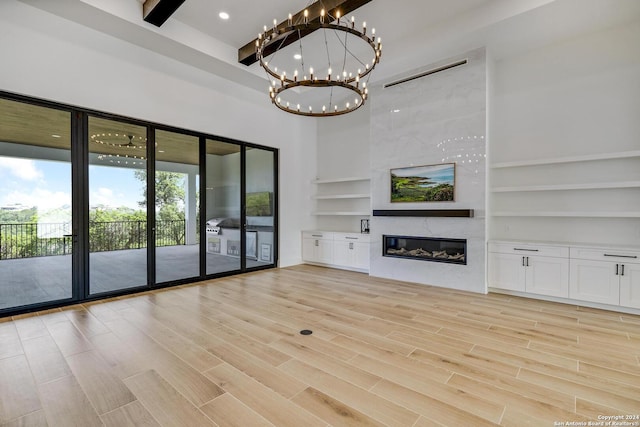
<point>348,81</point>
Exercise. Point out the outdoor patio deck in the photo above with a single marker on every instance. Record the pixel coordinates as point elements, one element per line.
<point>32,280</point>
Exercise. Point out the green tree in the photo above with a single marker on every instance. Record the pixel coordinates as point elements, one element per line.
<point>169,202</point>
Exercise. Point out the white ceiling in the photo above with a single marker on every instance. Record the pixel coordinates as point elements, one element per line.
<point>249,16</point>
<point>414,32</point>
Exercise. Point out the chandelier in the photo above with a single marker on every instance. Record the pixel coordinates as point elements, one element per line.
<point>120,148</point>
<point>332,62</point>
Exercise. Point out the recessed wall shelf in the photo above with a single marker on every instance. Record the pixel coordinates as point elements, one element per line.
<point>335,180</point>
<point>342,196</point>
<point>446,213</point>
<point>560,187</point>
<point>569,159</point>
<point>570,214</point>
<point>344,213</point>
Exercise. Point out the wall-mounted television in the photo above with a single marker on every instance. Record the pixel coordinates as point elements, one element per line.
<point>260,204</point>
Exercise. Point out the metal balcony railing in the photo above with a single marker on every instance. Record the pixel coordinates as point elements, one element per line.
<point>28,240</point>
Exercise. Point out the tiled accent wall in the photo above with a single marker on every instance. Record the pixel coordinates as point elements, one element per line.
<point>439,118</point>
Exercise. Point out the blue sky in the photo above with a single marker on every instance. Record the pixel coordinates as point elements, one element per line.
<point>47,184</point>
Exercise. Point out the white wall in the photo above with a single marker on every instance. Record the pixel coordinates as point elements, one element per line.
<point>572,98</point>
<point>343,152</point>
<point>48,57</point>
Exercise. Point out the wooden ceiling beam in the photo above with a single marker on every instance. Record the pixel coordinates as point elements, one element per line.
<point>156,12</point>
<point>247,53</point>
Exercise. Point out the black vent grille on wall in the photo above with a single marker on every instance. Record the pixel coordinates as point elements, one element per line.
<point>426,73</point>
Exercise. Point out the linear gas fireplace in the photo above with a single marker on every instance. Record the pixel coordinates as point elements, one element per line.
<point>426,248</point>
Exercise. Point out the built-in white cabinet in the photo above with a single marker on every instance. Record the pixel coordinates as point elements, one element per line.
<point>342,250</point>
<point>351,250</point>
<point>317,246</point>
<point>542,270</point>
<point>608,276</point>
<point>589,274</point>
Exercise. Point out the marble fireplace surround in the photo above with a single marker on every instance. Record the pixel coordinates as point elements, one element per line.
<point>440,118</point>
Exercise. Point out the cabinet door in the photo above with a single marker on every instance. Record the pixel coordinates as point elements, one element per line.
<point>630,286</point>
<point>324,251</point>
<point>547,276</point>
<point>361,256</point>
<point>506,271</point>
<point>308,250</point>
<point>342,255</point>
<point>594,281</point>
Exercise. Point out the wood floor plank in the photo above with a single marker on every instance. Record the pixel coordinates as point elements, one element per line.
<point>430,408</point>
<point>188,381</point>
<point>331,410</point>
<point>85,322</point>
<point>547,407</point>
<point>586,392</point>
<point>34,419</point>
<point>18,393</point>
<point>66,404</point>
<point>30,327</point>
<point>525,357</point>
<point>121,358</point>
<point>270,405</point>
<point>382,410</point>
<point>302,349</point>
<point>227,411</point>
<point>610,374</point>
<point>103,388</point>
<point>164,402</point>
<point>130,415</point>
<point>10,340</point>
<point>185,349</point>
<point>423,383</point>
<point>68,337</point>
<point>45,359</point>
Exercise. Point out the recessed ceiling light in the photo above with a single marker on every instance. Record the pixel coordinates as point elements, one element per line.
<point>297,56</point>
<point>395,111</point>
<point>223,15</point>
<point>55,136</point>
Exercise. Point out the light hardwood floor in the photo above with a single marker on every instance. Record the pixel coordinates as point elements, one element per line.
<point>228,352</point>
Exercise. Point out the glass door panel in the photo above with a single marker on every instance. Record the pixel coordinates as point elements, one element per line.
<point>260,205</point>
<point>35,205</point>
<point>177,203</point>
<point>223,207</point>
<point>117,205</point>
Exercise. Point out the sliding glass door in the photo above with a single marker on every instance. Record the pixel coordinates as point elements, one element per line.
<point>177,234</point>
<point>95,205</point>
<point>259,207</point>
<point>117,205</point>
<point>223,209</point>
<point>36,215</point>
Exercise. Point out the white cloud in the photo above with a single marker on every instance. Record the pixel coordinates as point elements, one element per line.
<point>103,196</point>
<point>22,168</point>
<point>43,199</point>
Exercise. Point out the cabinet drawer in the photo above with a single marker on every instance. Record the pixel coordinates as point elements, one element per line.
<point>600,254</point>
<point>528,249</point>
<point>323,235</point>
<point>351,237</point>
